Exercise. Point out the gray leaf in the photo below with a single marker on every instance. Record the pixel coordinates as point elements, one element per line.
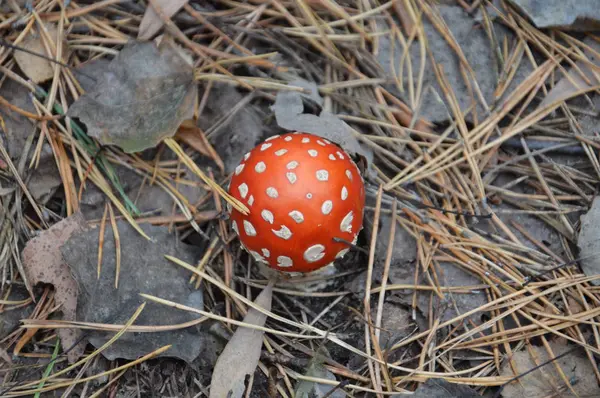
<point>142,97</point>
<point>240,357</point>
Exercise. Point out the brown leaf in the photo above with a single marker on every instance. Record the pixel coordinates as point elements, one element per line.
<point>43,263</point>
<point>142,97</point>
<point>240,357</point>
<point>151,23</point>
<point>194,137</point>
<point>36,68</point>
<point>574,81</point>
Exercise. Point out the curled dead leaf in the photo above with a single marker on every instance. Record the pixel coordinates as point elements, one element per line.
<point>44,263</point>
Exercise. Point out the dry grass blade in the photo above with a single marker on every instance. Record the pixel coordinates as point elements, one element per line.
<point>239,206</point>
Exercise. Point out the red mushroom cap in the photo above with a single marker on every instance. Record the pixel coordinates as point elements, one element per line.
<point>302,192</point>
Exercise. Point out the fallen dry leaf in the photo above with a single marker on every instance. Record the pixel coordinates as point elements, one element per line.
<point>151,23</point>
<point>142,97</point>
<point>289,112</point>
<point>573,82</point>
<point>144,269</point>
<point>316,369</point>
<point>240,356</point>
<point>588,243</point>
<point>15,133</point>
<point>44,263</point>
<point>36,68</point>
<point>453,304</point>
<point>544,381</point>
<point>194,137</point>
<point>440,388</point>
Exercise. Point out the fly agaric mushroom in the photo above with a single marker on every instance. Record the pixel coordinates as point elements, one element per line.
<point>302,192</point>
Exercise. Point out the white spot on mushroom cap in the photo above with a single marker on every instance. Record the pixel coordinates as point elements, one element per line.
<point>344,193</point>
<point>346,224</point>
<point>305,140</point>
<point>280,152</point>
<point>314,253</point>
<point>349,174</point>
<point>342,253</point>
<point>243,188</point>
<point>239,169</point>
<point>265,252</point>
<point>260,167</point>
<point>331,156</point>
<point>272,193</point>
<point>322,175</point>
<point>249,228</point>
<point>284,232</point>
<point>320,143</point>
<point>251,200</point>
<point>235,227</point>
<point>267,216</point>
<point>297,216</point>
<point>309,195</point>
<point>292,165</point>
<point>284,262</point>
<point>340,155</point>
<point>287,139</point>
<point>247,155</point>
<point>229,207</point>
<point>292,178</point>
<point>272,137</point>
<point>326,140</point>
<point>257,256</point>
<point>326,207</point>
<point>265,146</point>
<point>313,153</point>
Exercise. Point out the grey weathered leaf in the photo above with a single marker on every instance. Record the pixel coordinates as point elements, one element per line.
<point>18,132</point>
<point>545,381</point>
<point>310,389</point>
<point>589,241</point>
<point>240,356</point>
<point>144,269</point>
<point>478,51</point>
<point>288,110</point>
<point>142,97</point>
<point>453,304</point>
<point>440,388</point>
<point>580,15</point>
